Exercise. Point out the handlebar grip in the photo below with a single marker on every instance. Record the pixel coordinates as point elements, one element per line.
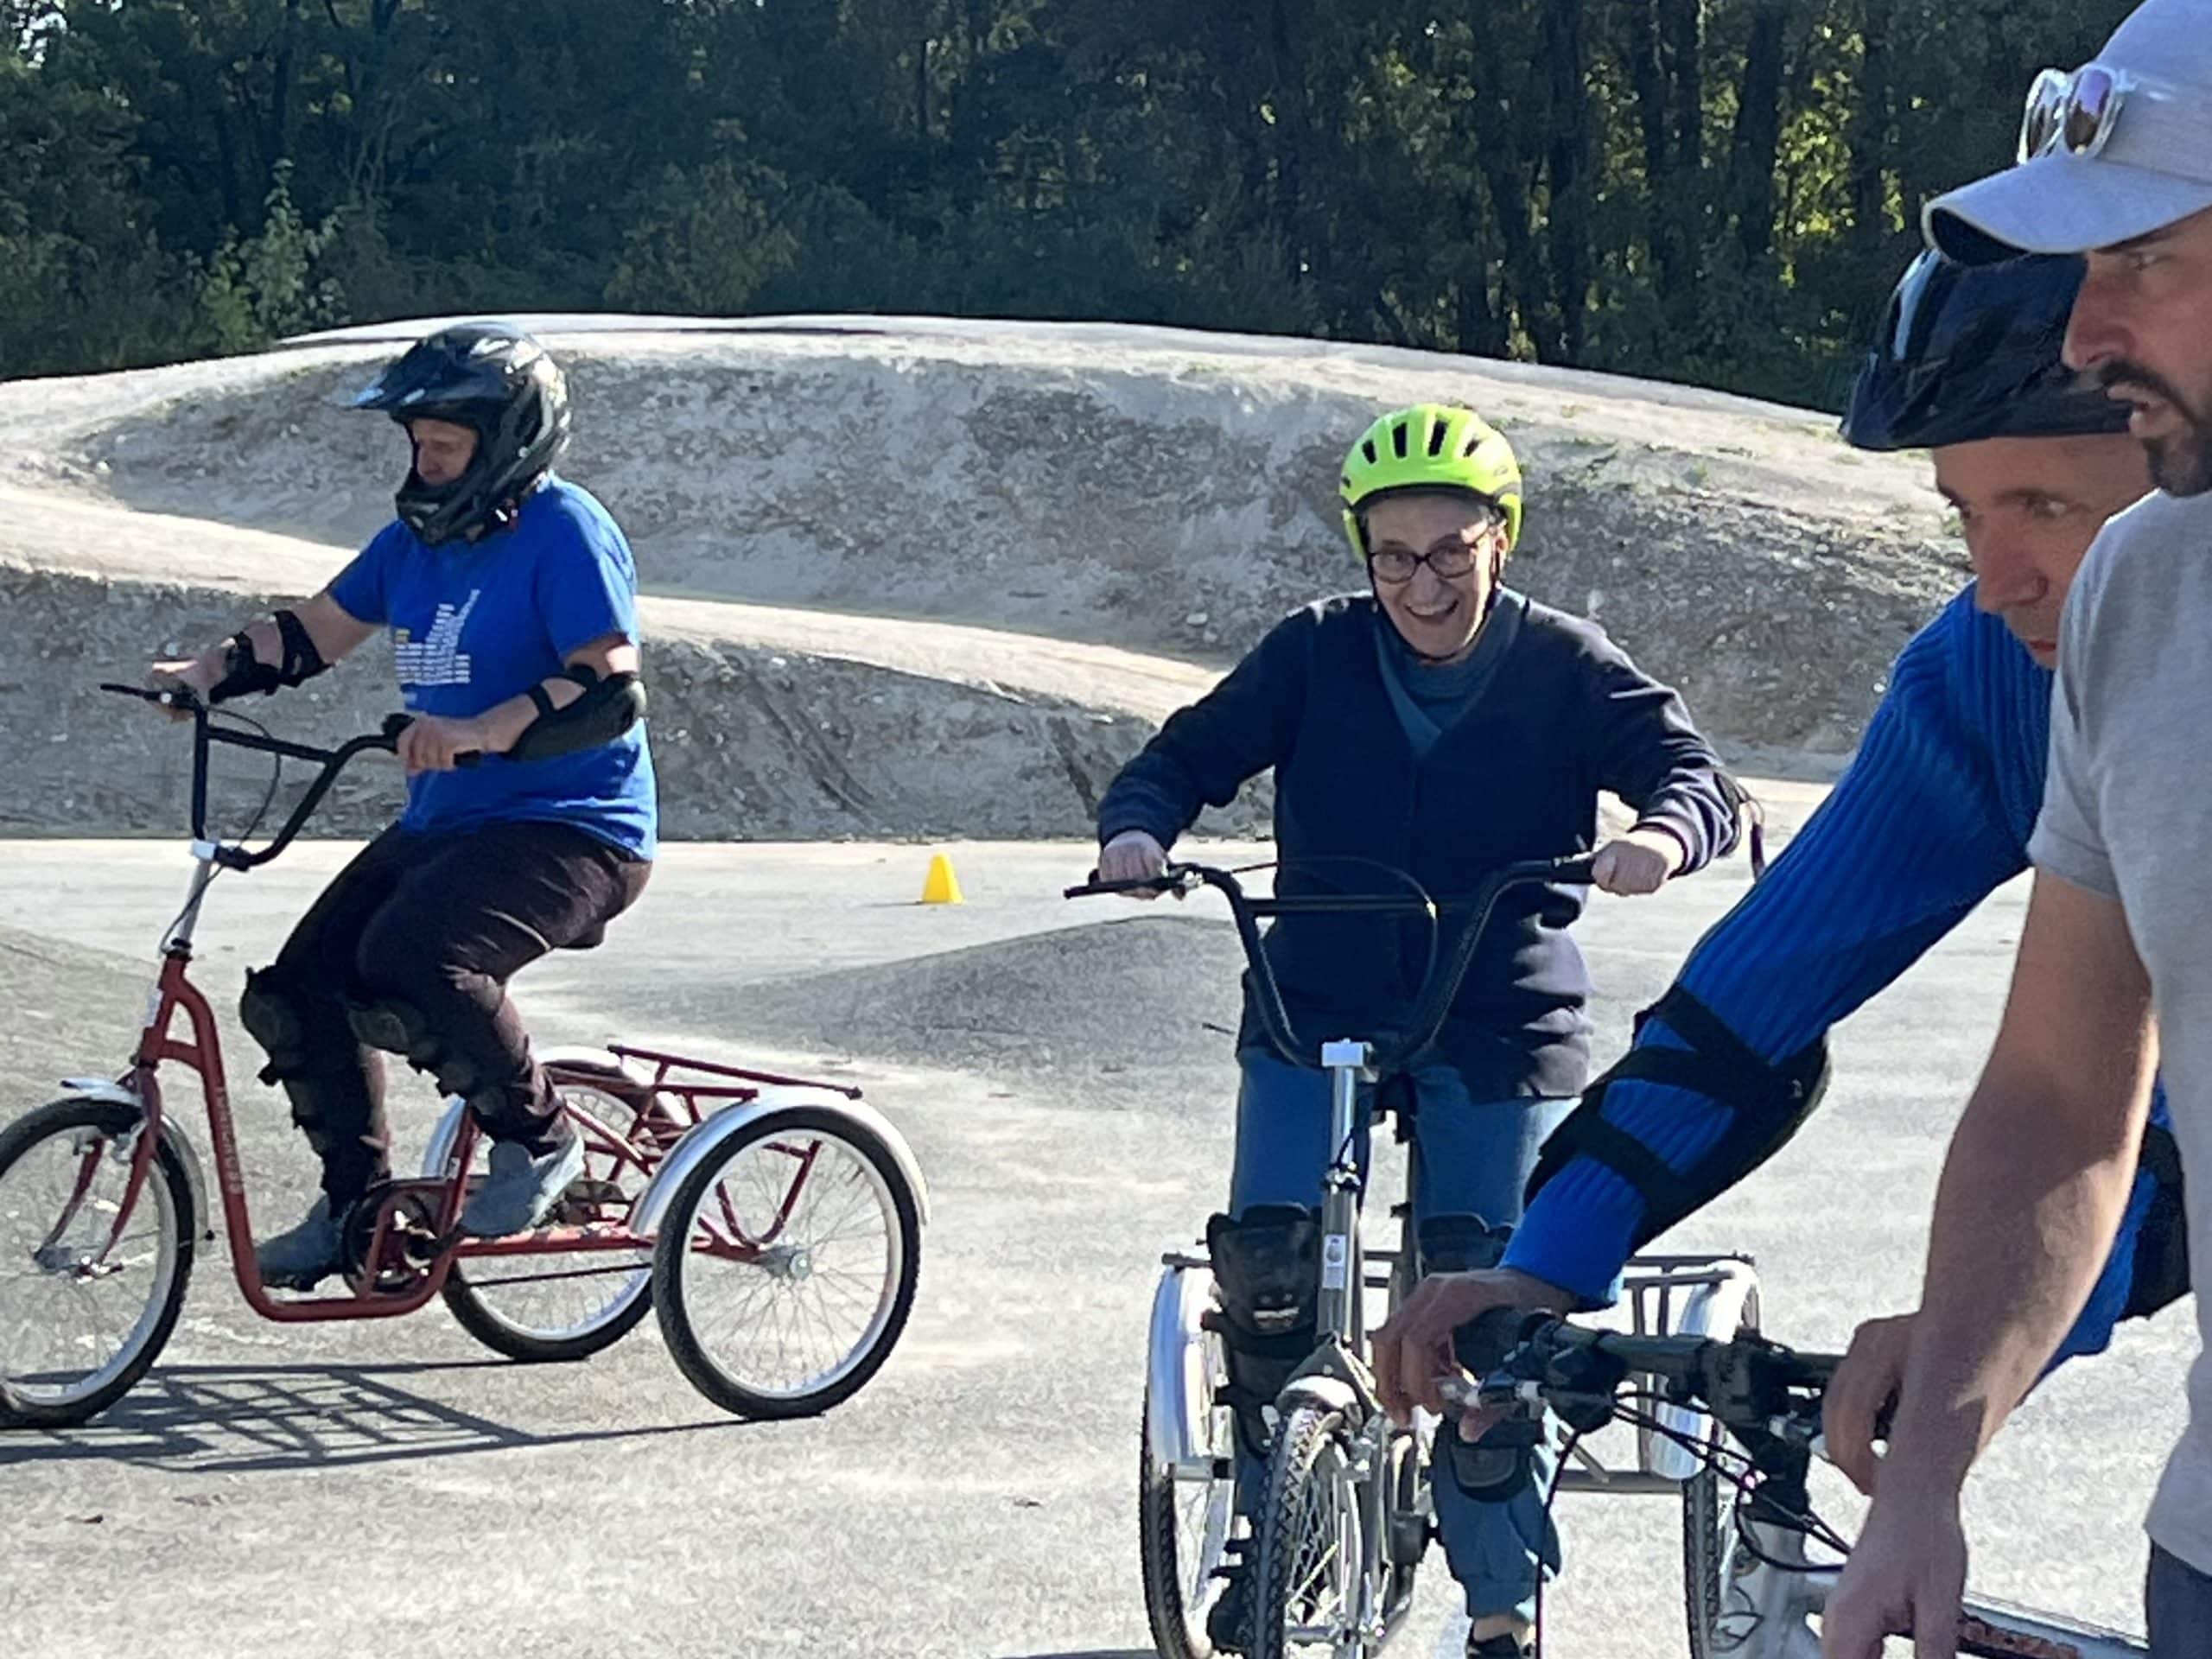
<point>1483,1346</point>
<point>394,724</point>
<point>1095,888</point>
<point>177,696</point>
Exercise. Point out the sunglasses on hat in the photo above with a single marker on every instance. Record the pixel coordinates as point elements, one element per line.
<point>2074,111</point>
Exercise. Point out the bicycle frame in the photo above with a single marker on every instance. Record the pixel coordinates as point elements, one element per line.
<point>174,992</point>
<point>1334,1376</point>
<point>674,1109</point>
<point>1349,1065</point>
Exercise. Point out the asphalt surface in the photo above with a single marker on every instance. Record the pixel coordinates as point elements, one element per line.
<point>1061,1074</point>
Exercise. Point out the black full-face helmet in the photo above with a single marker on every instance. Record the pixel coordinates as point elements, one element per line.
<point>496,380</point>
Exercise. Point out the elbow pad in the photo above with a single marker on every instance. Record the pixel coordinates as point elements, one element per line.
<point>1767,1105</point>
<point>607,709</point>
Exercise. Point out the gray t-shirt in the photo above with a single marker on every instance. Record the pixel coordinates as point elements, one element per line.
<point>2127,812</point>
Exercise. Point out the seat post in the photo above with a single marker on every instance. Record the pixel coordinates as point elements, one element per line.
<point>1349,1064</point>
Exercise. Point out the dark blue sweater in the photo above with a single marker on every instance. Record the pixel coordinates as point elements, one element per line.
<point>1516,776</point>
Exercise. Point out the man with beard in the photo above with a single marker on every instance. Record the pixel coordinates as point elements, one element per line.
<point>2115,957</point>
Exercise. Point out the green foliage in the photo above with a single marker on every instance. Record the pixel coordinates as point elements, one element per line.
<point>703,243</point>
<point>1717,191</point>
<point>259,289</point>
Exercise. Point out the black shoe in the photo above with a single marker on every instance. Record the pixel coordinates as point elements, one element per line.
<point>1504,1645</point>
<point>1229,1621</point>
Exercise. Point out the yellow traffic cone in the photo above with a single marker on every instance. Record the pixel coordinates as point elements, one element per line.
<point>942,887</point>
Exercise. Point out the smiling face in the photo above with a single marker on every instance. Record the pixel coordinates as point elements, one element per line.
<point>2142,328</point>
<point>1437,616</point>
<point>2029,508</point>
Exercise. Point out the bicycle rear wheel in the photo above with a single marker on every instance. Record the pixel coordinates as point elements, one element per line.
<point>82,1318</point>
<point>1183,1524</point>
<point>568,1305</point>
<point>785,1267</point>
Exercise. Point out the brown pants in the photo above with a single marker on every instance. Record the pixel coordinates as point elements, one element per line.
<point>435,924</point>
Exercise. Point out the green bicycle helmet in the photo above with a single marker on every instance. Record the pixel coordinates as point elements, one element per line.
<point>1431,447</point>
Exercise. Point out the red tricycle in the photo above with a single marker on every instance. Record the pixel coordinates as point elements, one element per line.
<point>773,1223</point>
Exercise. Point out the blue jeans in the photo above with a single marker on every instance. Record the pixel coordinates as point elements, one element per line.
<point>1475,1159</point>
<point>2179,1601</point>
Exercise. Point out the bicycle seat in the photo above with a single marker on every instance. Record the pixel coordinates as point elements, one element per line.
<point>591,938</point>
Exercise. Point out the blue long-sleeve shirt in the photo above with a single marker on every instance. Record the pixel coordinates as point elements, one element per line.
<point>1931,817</point>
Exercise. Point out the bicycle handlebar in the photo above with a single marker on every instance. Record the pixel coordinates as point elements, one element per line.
<point>1755,1386</point>
<point>1435,998</point>
<point>205,733</point>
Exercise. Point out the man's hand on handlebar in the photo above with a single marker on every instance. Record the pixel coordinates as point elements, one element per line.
<point>429,743</point>
<point>1133,855</point>
<point>1640,861</point>
<point>194,674</point>
<point>1862,1389</point>
<point>1413,1351</point>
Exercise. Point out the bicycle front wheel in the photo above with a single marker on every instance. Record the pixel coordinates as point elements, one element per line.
<point>85,1306</point>
<point>1311,1590</point>
<point>1709,1536</point>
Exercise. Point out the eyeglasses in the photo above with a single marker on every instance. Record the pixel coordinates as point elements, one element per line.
<point>2075,113</point>
<point>1448,560</point>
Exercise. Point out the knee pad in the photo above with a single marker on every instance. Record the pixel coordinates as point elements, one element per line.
<point>1457,1242</point>
<point>326,1095</point>
<point>1499,1466</point>
<point>1266,1269</point>
<point>401,1029</point>
<point>270,1011</point>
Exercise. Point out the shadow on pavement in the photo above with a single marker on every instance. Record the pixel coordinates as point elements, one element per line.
<point>245,1420</point>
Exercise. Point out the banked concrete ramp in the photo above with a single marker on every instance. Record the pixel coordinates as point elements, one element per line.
<point>919,577</point>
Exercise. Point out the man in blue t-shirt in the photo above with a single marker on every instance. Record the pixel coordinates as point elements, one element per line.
<point>1932,816</point>
<point>511,600</point>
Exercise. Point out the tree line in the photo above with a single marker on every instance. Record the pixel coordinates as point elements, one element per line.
<point>1712,191</point>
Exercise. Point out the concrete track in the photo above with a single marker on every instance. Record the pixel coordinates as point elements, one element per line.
<point>330,1490</point>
